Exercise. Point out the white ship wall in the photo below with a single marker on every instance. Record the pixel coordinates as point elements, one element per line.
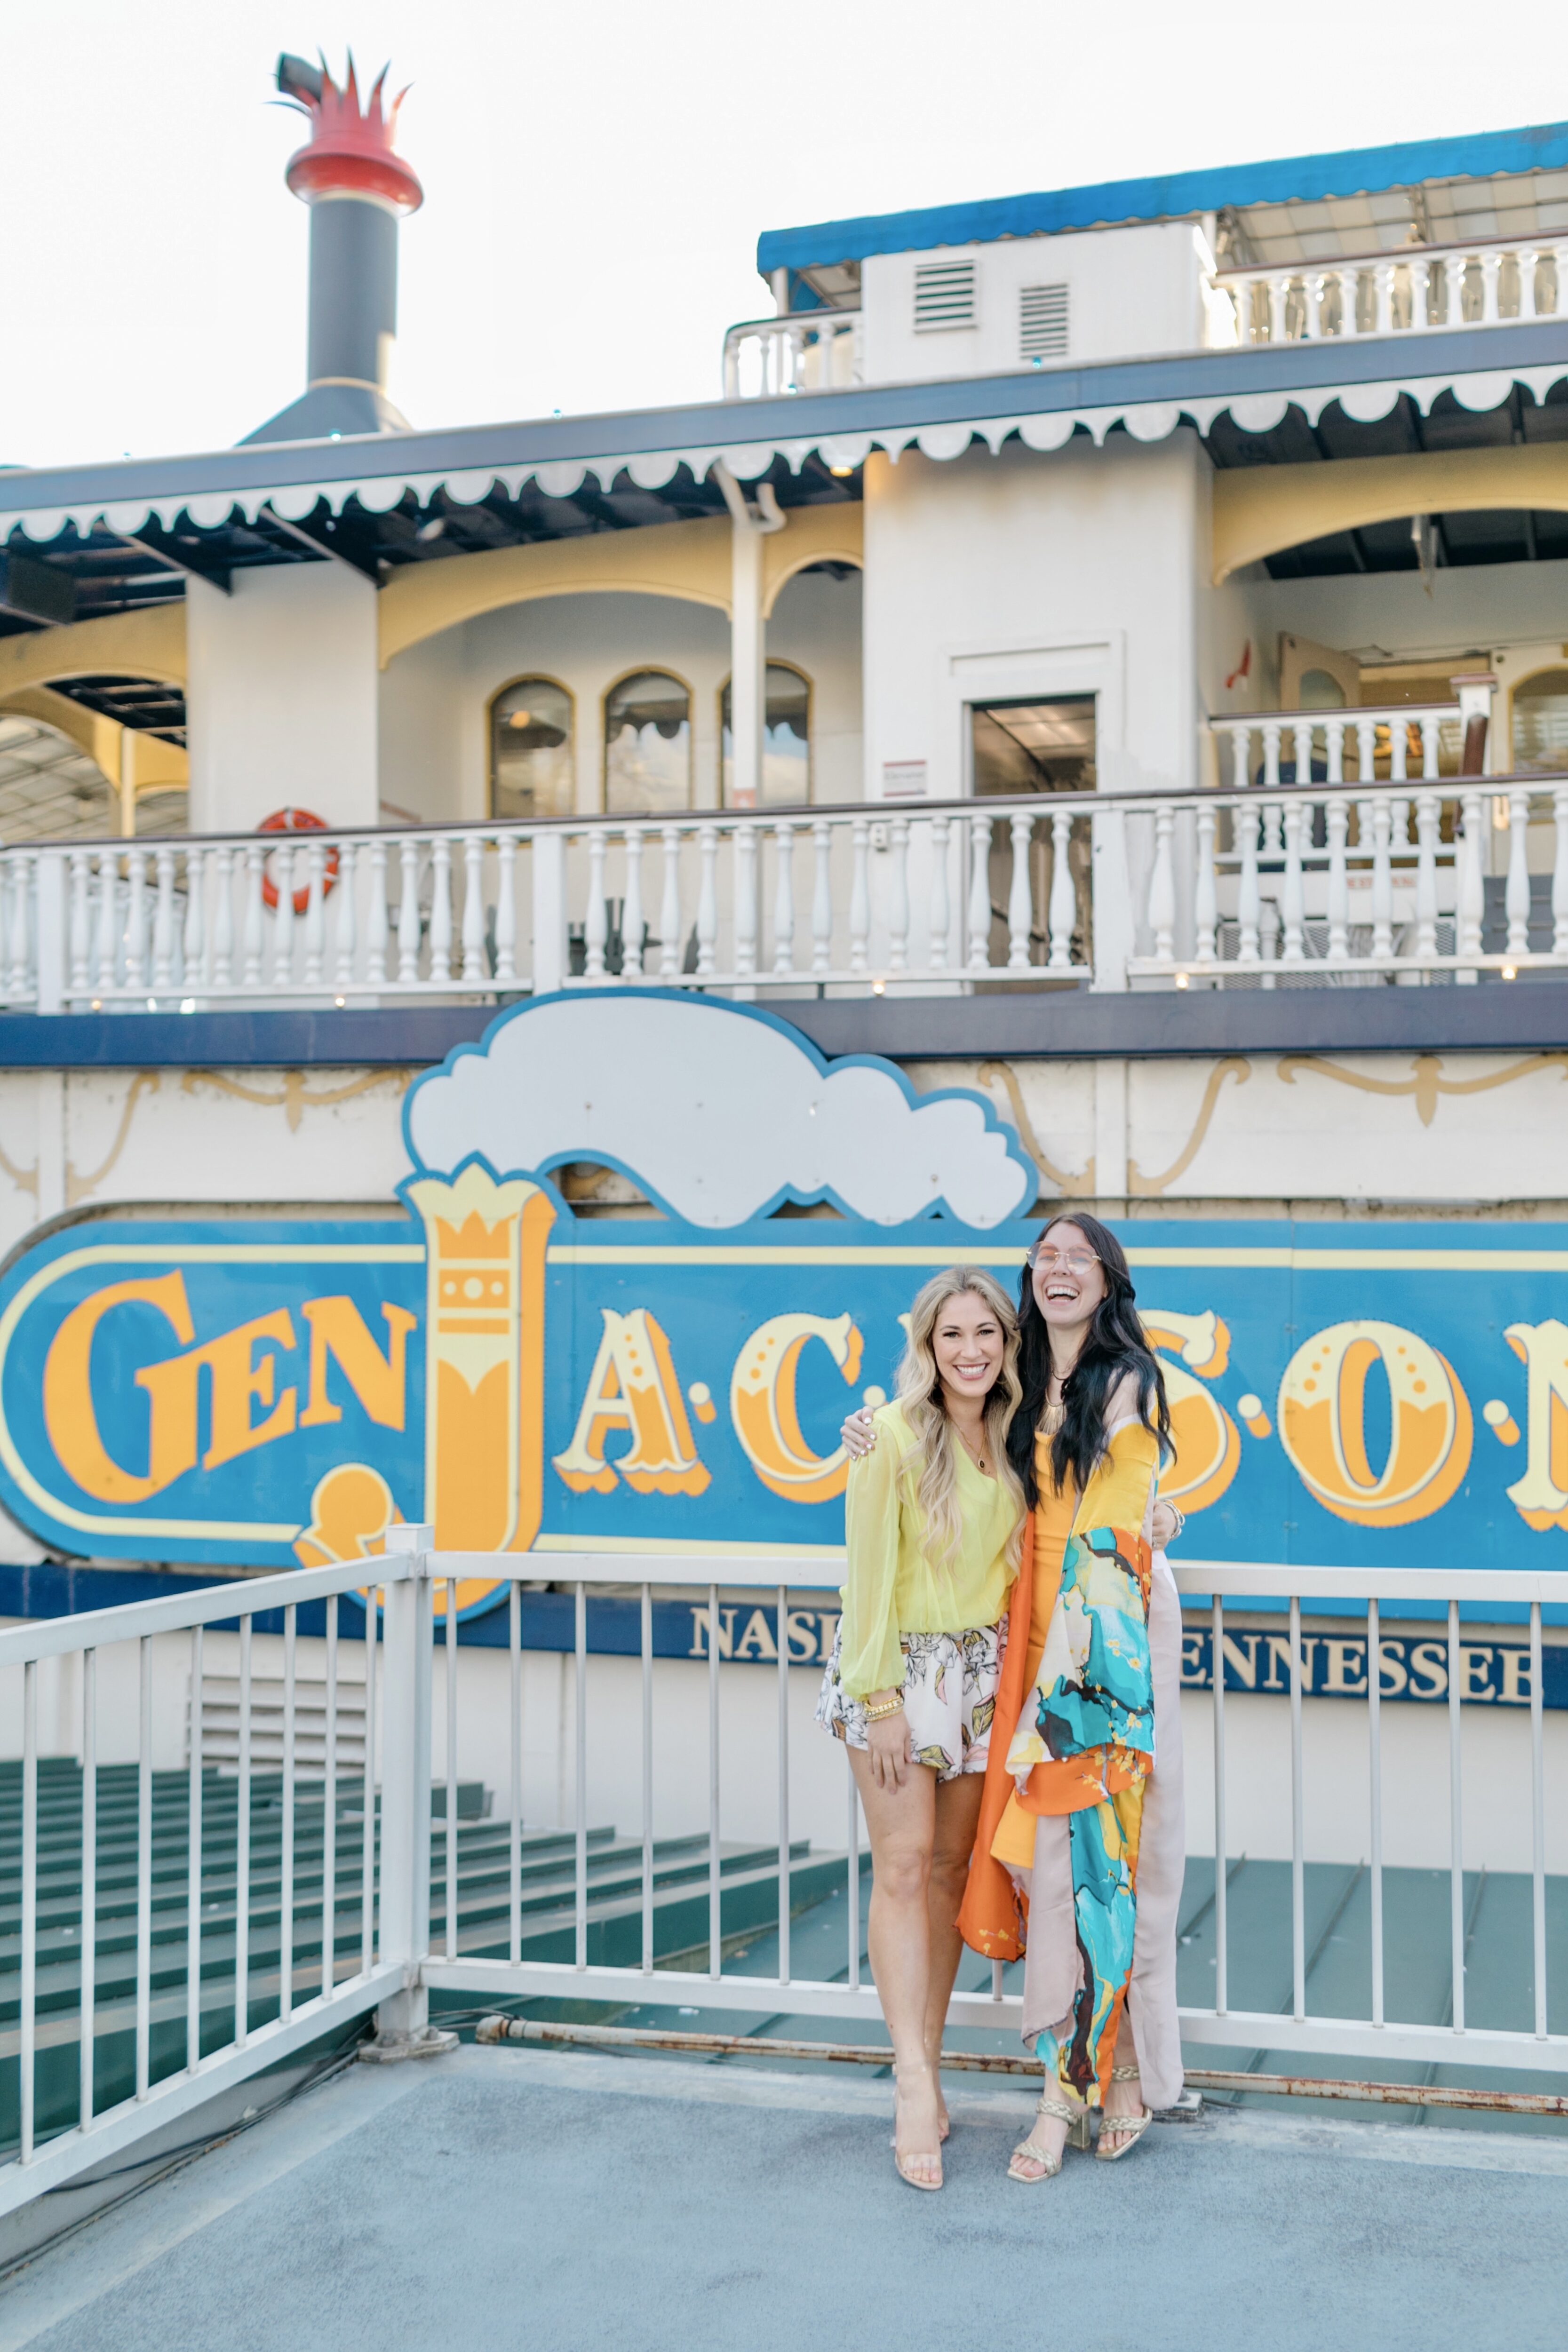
<point>281,700</point>
<point>1316,1134</point>
<point>1003,578</point>
<point>1330,1133</point>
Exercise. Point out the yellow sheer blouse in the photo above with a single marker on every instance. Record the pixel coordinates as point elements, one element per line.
<point>891,1587</point>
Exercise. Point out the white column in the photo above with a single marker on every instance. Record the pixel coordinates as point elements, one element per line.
<point>748,656</point>
<point>283,696</point>
<point>746,662</point>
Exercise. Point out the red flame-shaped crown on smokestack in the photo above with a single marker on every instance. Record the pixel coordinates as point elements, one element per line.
<point>348,153</point>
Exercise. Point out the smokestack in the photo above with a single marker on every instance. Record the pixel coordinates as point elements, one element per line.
<point>358,187</point>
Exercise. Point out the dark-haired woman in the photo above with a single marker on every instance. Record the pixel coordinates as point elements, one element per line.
<point>1077,1860</point>
<point>1078,1855</point>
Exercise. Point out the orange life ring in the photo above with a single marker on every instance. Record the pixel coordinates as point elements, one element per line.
<point>296,820</point>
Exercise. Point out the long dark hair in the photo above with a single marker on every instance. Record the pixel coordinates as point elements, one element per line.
<point>1113,1346</point>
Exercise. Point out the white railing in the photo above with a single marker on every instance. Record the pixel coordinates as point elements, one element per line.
<point>1405,292</point>
<point>1334,883</point>
<point>1404,741</point>
<point>398,1963</point>
<point>1377,2031</point>
<point>812,351</point>
<point>213,1912</point>
<point>1354,875</point>
<point>859,898</point>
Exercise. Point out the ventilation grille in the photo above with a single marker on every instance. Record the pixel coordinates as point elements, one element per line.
<point>1043,322</point>
<point>944,295</point>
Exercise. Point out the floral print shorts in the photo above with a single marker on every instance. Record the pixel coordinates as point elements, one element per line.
<point>950,1697</point>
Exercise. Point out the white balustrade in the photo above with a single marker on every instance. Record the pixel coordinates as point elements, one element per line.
<point>809,351</point>
<point>1313,886</point>
<point>1373,878</point>
<point>1405,740</point>
<point>1412,291</point>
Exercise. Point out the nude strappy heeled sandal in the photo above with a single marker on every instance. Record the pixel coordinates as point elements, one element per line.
<point>920,2155</point>
<point>1130,2129</point>
<point>1076,2116</point>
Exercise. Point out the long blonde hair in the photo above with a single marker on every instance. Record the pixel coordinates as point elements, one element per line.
<point>920,1399</point>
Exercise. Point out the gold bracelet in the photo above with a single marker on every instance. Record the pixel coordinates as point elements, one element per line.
<point>889,1707</point>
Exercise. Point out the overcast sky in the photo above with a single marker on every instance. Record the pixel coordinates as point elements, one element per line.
<point>596,172</point>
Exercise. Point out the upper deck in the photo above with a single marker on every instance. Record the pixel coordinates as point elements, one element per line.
<point>1372,243</point>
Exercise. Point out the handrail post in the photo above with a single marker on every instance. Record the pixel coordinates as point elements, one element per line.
<point>51,930</point>
<point>403,2028</point>
<point>550,946</point>
<point>1112,918</point>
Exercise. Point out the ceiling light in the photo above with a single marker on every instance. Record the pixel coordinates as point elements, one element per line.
<point>841,470</point>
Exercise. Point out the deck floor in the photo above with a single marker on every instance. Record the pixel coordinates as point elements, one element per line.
<point>499,2199</point>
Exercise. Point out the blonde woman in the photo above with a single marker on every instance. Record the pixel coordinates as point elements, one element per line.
<point>934,1526</point>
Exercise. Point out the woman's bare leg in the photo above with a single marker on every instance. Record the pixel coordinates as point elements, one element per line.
<point>901,1825</point>
<point>957,1814</point>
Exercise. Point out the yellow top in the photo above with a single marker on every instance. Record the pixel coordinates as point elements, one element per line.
<point>891,1587</point>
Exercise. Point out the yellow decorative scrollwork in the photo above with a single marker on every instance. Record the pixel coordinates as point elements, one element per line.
<point>294,1097</point>
<point>1426,1080</point>
<point>1235,1066</point>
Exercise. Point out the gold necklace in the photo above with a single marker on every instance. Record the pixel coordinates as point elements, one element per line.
<point>978,1459</point>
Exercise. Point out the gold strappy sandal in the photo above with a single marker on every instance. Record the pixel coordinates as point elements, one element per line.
<point>1130,2129</point>
<point>1075,2115</point>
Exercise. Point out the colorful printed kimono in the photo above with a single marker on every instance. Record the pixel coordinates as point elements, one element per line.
<point>1084,1746</point>
<point>1081,1742</point>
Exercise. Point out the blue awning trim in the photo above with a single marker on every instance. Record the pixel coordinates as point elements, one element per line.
<point>1295,179</point>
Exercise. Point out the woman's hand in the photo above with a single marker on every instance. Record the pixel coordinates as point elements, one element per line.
<point>888,1745</point>
<point>858,1435</point>
<point>1165,1527</point>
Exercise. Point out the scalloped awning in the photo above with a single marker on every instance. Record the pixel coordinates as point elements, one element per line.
<point>813,438</point>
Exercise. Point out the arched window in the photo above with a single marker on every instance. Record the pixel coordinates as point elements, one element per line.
<point>532,768</point>
<point>647,745</point>
<point>1541,722</point>
<point>786,739</point>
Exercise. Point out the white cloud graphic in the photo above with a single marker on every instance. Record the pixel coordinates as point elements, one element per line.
<point>716,1111</point>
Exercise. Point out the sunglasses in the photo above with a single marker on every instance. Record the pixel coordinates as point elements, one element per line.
<point>1050,1260</point>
